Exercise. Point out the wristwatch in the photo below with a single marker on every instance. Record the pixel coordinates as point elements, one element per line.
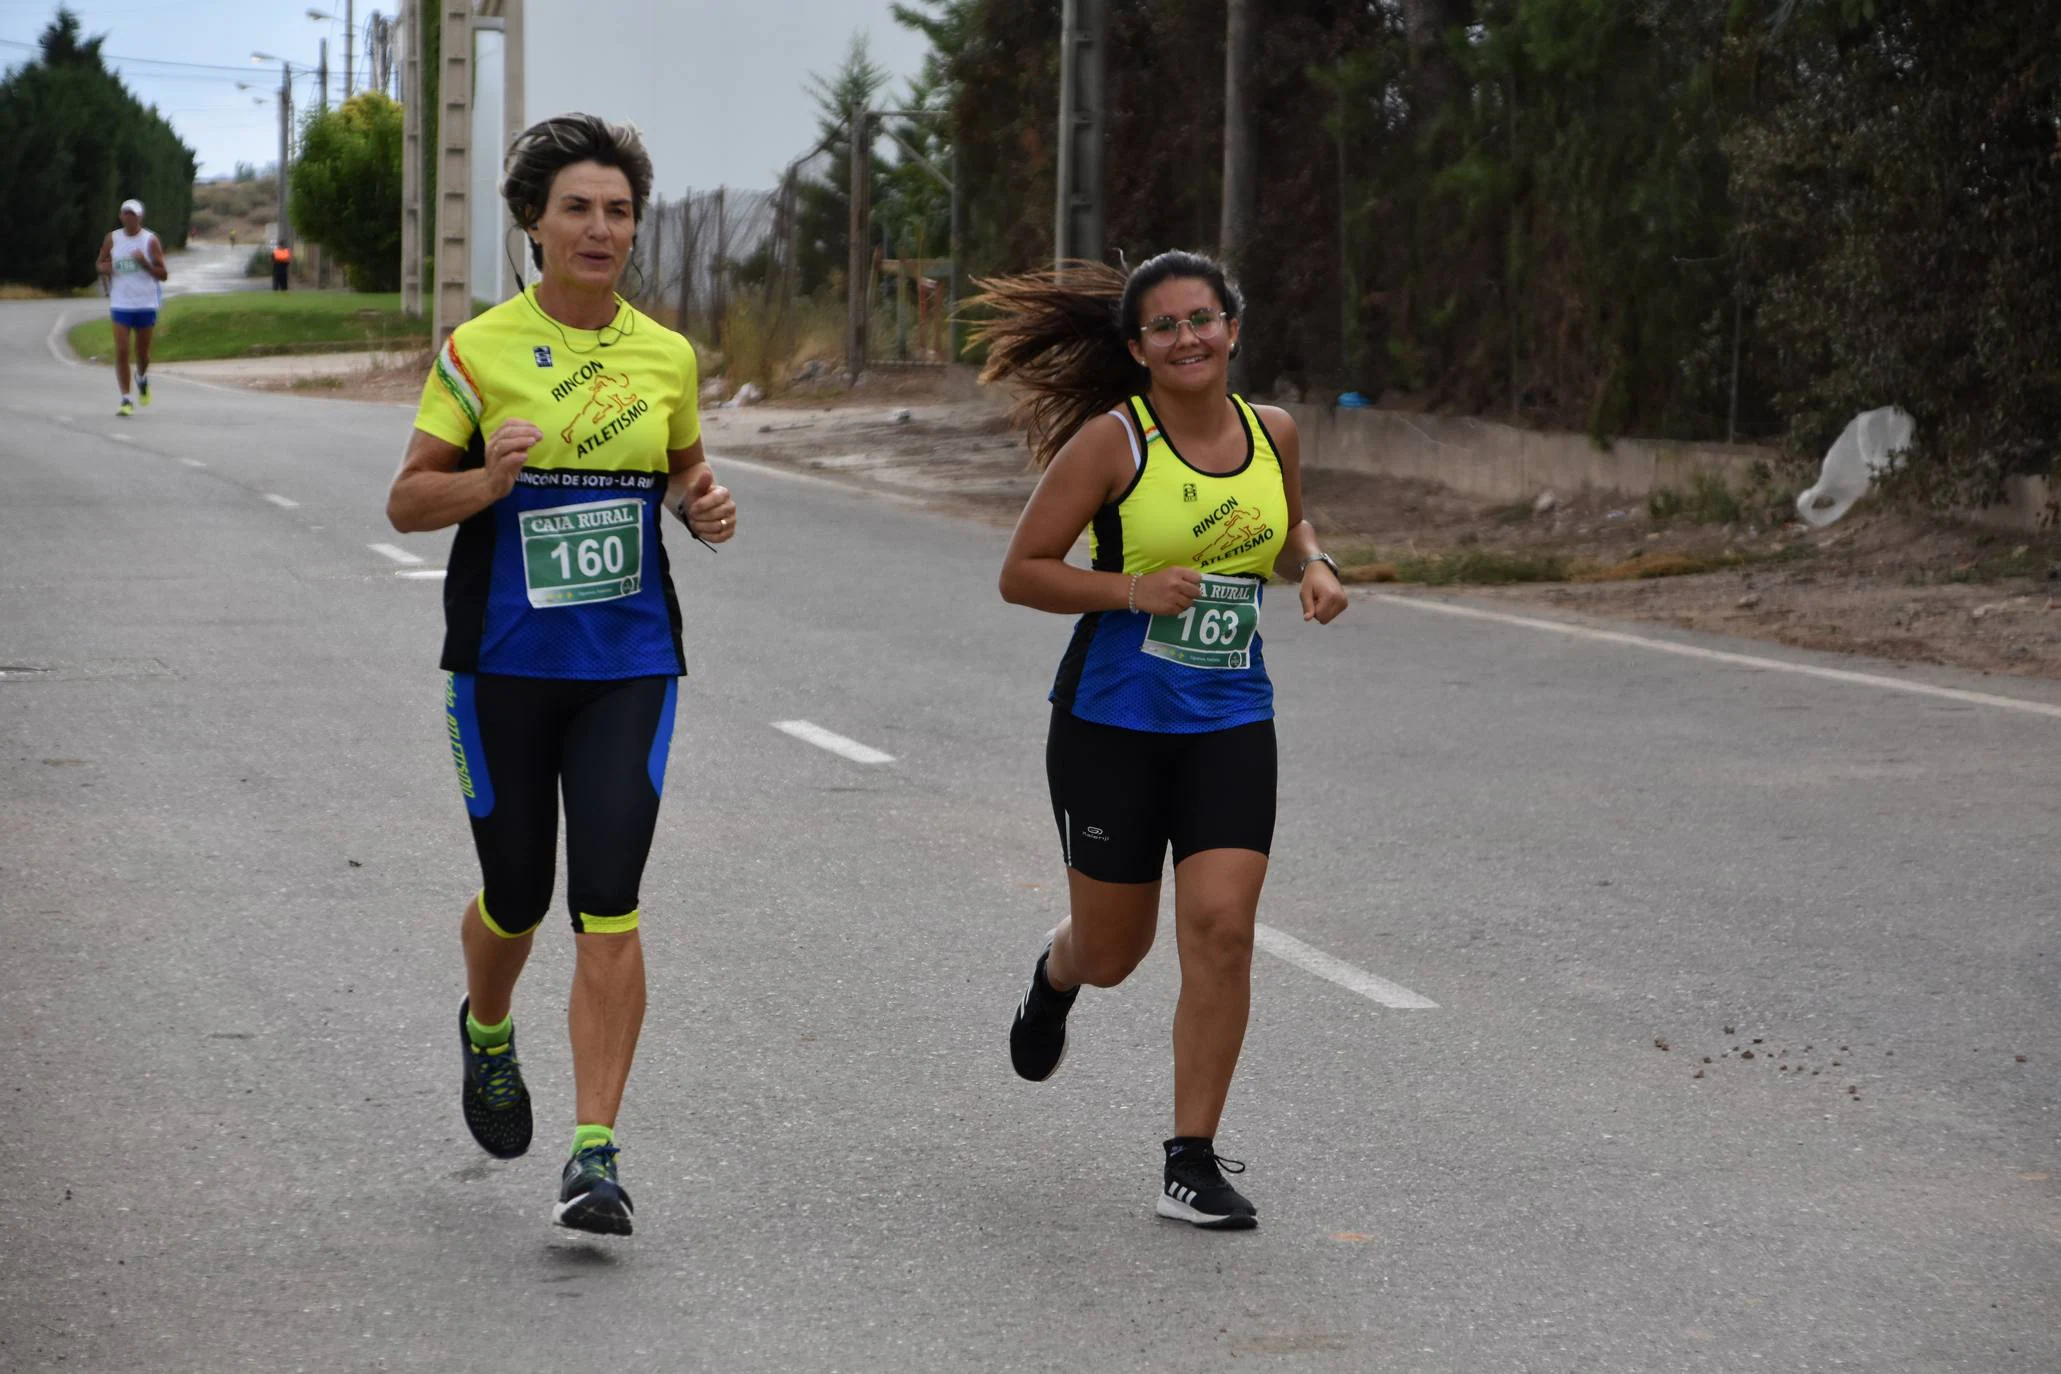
<point>1326,559</point>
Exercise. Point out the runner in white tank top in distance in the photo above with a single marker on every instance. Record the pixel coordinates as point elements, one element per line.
<point>132,268</point>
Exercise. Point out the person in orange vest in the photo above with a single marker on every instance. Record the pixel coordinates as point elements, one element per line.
<point>282,259</point>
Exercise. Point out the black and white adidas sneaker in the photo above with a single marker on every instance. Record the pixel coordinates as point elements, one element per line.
<point>1195,1190</point>
<point>1037,1037</point>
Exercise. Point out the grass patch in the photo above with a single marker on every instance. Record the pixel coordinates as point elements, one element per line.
<point>21,291</point>
<point>1708,501</point>
<point>1663,565</point>
<point>255,323</point>
<point>1472,566</point>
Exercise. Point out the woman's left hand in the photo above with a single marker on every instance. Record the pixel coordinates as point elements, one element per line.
<point>1323,597</point>
<point>711,512</point>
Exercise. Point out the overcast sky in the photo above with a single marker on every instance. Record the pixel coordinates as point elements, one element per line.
<point>717,85</point>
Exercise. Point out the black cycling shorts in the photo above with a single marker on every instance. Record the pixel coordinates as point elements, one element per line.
<point>521,741</point>
<point>1121,797</point>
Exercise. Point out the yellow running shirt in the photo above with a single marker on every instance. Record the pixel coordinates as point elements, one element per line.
<point>1202,670</point>
<point>566,576</point>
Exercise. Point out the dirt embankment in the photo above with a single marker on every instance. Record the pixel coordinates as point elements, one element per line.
<point>1878,583</point>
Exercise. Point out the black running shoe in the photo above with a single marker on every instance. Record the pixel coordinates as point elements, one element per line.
<point>591,1197</point>
<point>1195,1190</point>
<point>497,1105</point>
<point>1037,1037</point>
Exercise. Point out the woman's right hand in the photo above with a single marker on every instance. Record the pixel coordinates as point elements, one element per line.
<point>507,451</point>
<point>1169,591</point>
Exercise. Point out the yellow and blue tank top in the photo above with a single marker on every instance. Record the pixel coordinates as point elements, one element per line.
<point>566,576</point>
<point>1229,525</point>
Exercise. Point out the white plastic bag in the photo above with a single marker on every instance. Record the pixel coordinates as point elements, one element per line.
<point>1868,447</point>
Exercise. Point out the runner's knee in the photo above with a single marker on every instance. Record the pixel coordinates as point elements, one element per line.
<point>1106,962</point>
<point>602,918</point>
<point>1218,935</point>
<point>512,915</point>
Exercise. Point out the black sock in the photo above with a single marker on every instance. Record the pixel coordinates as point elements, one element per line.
<point>1045,980</point>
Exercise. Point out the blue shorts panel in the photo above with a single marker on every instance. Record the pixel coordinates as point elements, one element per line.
<point>135,319</point>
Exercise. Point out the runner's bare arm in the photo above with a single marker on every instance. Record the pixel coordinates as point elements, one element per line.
<point>105,263</point>
<point>708,510</point>
<point>1322,595</point>
<point>430,493</point>
<point>1092,470</point>
<point>155,263</point>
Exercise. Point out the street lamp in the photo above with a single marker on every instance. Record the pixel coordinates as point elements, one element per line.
<point>325,17</point>
<point>349,22</point>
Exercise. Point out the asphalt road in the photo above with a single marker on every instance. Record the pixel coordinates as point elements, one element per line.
<point>232,858</point>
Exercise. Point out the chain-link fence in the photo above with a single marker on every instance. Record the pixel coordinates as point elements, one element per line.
<point>695,251</point>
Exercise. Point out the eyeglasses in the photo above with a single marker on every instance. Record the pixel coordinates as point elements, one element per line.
<point>1164,329</point>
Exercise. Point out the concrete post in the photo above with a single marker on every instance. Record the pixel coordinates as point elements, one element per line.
<point>856,286</point>
<point>1083,45</point>
<point>453,302</point>
<point>411,159</point>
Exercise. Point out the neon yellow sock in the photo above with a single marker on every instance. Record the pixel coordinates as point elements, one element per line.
<point>586,1137</point>
<point>487,1037</point>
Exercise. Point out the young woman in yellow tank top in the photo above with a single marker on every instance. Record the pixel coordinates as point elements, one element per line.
<point>1162,730</point>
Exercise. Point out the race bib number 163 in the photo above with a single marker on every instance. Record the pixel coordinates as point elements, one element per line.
<point>1215,632</point>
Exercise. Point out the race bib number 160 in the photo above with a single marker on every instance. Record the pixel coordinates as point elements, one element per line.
<point>572,555</point>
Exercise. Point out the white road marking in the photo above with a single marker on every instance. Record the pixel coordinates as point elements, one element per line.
<point>283,502</point>
<point>120,438</point>
<point>726,463</point>
<point>1282,945</point>
<point>395,552</point>
<point>56,333</point>
<point>1666,646</point>
<point>836,744</point>
<point>193,462</point>
<point>420,574</point>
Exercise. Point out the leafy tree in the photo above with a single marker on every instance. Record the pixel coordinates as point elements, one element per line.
<point>346,188</point>
<point>246,171</point>
<point>78,144</point>
<point>1898,193</point>
<point>824,212</point>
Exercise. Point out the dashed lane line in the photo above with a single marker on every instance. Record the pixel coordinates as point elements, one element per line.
<point>1310,959</point>
<point>835,743</point>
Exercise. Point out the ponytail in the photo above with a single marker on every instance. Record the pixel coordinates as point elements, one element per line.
<point>1063,337</point>
<point>1059,337</point>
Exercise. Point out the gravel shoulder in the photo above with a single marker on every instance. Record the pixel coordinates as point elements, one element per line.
<point>1880,583</point>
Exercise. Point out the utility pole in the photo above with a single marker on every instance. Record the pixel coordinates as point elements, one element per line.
<point>955,285</point>
<point>350,28</point>
<point>411,159</point>
<point>285,125</point>
<point>1083,48</point>
<point>453,302</point>
<point>855,286</point>
<point>1234,236</point>
<point>322,78</point>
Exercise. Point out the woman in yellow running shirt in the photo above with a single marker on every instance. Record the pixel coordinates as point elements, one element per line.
<point>1162,731</point>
